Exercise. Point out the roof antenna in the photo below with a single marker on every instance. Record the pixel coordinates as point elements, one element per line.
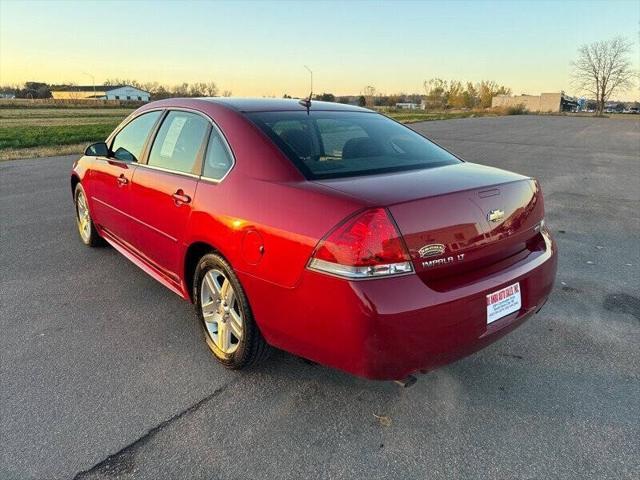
<point>306,102</point>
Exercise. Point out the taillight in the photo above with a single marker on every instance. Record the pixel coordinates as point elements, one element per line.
<point>365,246</point>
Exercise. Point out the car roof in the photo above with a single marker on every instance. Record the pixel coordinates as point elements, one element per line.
<point>280,104</point>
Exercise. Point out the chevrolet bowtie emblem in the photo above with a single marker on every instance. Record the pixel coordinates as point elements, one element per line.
<point>495,215</point>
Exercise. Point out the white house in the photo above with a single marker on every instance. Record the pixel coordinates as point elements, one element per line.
<point>100,92</point>
<point>407,106</point>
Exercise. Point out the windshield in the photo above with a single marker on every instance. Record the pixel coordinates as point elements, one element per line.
<point>348,144</point>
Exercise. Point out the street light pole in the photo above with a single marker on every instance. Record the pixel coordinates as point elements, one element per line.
<point>93,80</point>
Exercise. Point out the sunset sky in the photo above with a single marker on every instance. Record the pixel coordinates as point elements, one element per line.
<point>260,48</point>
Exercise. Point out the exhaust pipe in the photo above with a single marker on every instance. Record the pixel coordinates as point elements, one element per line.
<point>410,381</point>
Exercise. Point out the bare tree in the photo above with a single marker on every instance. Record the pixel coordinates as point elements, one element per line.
<point>603,68</point>
<point>180,90</point>
<point>198,89</point>
<point>227,93</point>
<point>369,94</point>
<point>211,89</point>
<point>151,87</point>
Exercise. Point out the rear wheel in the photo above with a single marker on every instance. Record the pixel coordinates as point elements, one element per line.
<point>86,228</point>
<point>221,304</point>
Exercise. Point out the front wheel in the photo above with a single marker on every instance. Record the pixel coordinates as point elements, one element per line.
<point>222,306</point>
<point>86,228</point>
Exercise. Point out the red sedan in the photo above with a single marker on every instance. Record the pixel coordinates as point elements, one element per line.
<point>322,229</point>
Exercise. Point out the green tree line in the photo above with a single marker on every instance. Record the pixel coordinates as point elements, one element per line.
<point>443,94</point>
<point>438,95</point>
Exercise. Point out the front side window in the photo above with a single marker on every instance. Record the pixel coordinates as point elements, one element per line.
<point>348,144</point>
<point>129,142</point>
<point>178,142</point>
<point>218,160</point>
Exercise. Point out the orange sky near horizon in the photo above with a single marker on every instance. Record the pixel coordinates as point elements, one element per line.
<point>260,48</point>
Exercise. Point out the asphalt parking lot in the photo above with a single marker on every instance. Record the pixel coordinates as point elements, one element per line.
<point>103,372</point>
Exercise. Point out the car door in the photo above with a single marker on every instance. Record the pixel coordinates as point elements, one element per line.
<point>109,185</point>
<point>164,187</point>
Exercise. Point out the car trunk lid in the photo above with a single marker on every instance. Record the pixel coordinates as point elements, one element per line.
<point>458,218</point>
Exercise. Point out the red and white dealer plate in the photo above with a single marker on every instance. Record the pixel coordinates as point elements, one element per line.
<point>503,302</point>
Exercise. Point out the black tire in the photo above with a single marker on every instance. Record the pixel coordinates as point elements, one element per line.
<point>91,239</point>
<point>251,348</point>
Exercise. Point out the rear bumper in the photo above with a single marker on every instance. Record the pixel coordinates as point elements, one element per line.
<point>389,328</point>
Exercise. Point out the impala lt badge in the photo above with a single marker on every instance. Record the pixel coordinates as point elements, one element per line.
<point>432,250</point>
<point>495,215</point>
<point>443,261</point>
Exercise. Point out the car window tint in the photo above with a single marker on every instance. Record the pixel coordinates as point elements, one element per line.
<point>178,141</point>
<point>296,135</point>
<point>332,144</point>
<point>336,133</point>
<point>128,144</point>
<point>218,160</point>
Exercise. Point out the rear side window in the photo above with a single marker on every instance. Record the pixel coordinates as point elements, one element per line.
<point>129,142</point>
<point>218,160</point>
<point>178,142</point>
<point>349,144</point>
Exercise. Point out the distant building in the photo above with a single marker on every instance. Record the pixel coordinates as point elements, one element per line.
<point>613,107</point>
<point>8,96</point>
<point>100,92</point>
<point>545,102</point>
<point>407,106</point>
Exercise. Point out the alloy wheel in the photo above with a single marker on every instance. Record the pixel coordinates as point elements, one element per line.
<point>221,311</point>
<point>84,220</point>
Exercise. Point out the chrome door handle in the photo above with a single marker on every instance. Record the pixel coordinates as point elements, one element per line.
<point>122,180</point>
<point>180,198</point>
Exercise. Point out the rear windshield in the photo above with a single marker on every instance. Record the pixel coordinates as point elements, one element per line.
<point>349,144</point>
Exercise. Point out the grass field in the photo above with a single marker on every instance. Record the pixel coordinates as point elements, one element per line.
<point>412,116</point>
<point>33,132</point>
<point>29,130</point>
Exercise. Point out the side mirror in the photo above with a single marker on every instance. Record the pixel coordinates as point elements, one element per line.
<point>98,149</point>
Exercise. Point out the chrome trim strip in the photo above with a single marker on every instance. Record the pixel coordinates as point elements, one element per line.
<point>168,170</point>
<point>166,108</point>
<point>231,154</point>
<point>358,273</point>
<point>130,118</point>
<point>212,180</point>
<point>226,143</point>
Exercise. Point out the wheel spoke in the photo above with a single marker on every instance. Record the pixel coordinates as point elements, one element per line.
<point>230,296</point>
<point>235,324</point>
<point>210,281</point>
<point>224,336</point>
<point>225,288</point>
<point>209,309</point>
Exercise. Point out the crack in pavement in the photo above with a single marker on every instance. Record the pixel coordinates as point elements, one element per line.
<point>122,462</point>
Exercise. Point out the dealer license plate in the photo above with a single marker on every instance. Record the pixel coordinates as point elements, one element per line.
<point>503,302</point>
